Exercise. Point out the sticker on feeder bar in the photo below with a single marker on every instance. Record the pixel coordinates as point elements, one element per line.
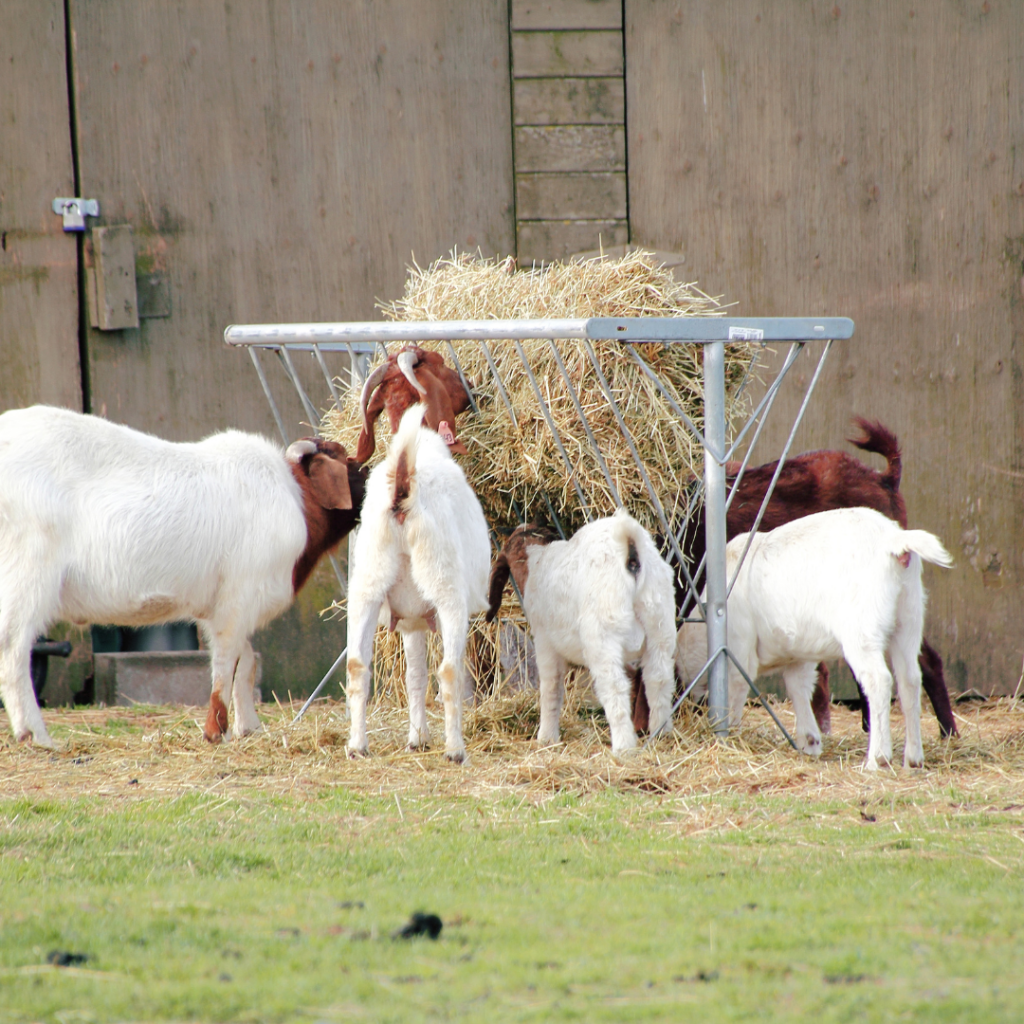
<point>746,334</point>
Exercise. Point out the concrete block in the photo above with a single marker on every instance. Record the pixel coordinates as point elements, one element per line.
<point>157,677</point>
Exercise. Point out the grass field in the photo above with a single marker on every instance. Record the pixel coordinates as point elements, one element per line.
<point>264,880</point>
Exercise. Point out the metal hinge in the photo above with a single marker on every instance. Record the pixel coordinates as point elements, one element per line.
<point>74,212</point>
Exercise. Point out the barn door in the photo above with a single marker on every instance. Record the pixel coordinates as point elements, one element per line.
<point>38,261</point>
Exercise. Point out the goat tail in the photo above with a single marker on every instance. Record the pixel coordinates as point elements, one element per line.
<point>402,459</point>
<point>636,544</point>
<point>874,437</point>
<point>926,545</point>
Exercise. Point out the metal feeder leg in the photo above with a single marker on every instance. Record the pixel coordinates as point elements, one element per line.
<point>714,527</point>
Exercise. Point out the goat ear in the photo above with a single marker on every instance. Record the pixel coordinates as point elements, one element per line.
<point>329,479</point>
<point>499,577</point>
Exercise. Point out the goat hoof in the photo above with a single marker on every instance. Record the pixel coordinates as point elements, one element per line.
<point>214,737</point>
<point>458,757</point>
<point>41,739</point>
<point>811,746</point>
<point>357,752</point>
<point>415,748</point>
<point>914,764</point>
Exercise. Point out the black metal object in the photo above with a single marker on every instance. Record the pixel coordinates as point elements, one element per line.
<point>42,651</point>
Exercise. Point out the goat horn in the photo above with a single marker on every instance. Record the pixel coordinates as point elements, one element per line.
<point>406,362</point>
<point>364,399</point>
<point>297,450</point>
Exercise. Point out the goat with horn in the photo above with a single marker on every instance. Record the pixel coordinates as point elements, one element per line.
<point>404,379</point>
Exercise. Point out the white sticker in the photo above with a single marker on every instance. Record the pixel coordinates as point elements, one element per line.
<point>746,334</point>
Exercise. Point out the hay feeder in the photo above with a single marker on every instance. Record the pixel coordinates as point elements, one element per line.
<point>593,456</point>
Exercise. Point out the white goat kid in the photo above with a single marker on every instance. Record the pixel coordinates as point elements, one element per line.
<point>421,558</point>
<point>603,599</point>
<point>100,523</point>
<point>844,583</point>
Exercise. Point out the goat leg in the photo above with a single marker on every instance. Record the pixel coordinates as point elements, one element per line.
<point>821,700</point>
<point>934,682</point>
<point>641,712</point>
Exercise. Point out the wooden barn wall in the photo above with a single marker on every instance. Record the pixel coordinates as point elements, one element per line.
<point>865,160</point>
<point>276,161</point>
<point>280,162</point>
<point>38,262</point>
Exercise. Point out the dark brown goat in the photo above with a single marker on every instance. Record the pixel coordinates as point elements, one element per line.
<point>809,483</point>
<point>412,375</point>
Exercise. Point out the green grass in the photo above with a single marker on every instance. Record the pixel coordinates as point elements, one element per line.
<point>599,907</point>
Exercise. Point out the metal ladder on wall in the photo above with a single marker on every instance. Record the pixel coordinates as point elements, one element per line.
<point>357,340</point>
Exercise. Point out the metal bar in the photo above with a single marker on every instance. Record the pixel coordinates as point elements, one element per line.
<point>286,360</point>
<point>750,683</point>
<point>270,398</point>
<point>737,480</point>
<point>767,400</point>
<point>327,335</point>
<point>570,469</point>
<point>714,532</point>
<point>757,693</point>
<point>323,682</point>
<point>706,329</point>
<point>462,377</point>
<point>782,460</point>
<point>553,514</point>
<point>693,682</point>
<point>501,385</point>
<point>327,376</point>
<point>586,425</point>
<point>628,329</point>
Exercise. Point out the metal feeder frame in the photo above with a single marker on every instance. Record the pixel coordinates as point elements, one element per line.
<point>358,340</point>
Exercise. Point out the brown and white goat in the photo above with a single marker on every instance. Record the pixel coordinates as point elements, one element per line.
<point>407,378</point>
<point>100,523</point>
<point>813,482</point>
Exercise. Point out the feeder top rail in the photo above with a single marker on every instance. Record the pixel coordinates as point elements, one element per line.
<point>337,336</point>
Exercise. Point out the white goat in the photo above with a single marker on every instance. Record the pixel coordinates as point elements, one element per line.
<point>421,557</point>
<point>603,599</point>
<point>840,583</point>
<point>102,524</point>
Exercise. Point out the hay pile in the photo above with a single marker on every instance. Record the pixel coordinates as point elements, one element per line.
<point>514,463</point>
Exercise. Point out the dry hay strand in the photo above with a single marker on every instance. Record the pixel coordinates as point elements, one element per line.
<point>514,463</point>
<point>752,780</point>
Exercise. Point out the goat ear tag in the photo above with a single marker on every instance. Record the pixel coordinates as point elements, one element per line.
<point>329,478</point>
<point>446,432</point>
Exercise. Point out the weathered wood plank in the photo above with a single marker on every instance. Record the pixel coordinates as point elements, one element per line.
<point>571,196</point>
<point>562,14</point>
<point>38,261</point>
<point>558,239</point>
<point>898,202</point>
<point>558,54</point>
<point>571,148</point>
<point>569,101</point>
